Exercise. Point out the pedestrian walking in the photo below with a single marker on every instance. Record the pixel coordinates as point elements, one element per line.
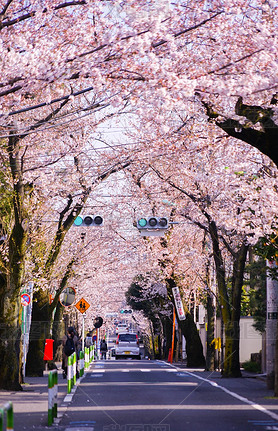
<point>70,342</point>
<point>103,349</point>
<point>88,340</point>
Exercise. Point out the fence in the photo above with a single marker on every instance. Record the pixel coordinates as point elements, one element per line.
<point>8,408</point>
<point>52,396</point>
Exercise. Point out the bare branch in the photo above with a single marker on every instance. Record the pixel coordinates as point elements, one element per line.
<point>33,13</point>
<point>4,10</point>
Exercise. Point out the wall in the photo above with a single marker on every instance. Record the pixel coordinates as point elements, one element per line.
<point>250,339</point>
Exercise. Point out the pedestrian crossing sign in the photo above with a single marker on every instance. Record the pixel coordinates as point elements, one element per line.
<point>82,305</point>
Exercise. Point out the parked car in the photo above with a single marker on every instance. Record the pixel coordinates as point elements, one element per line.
<point>127,345</point>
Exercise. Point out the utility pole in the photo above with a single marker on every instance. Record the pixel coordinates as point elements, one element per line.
<point>271,323</point>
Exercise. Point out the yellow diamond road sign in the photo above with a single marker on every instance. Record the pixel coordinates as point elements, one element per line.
<point>82,305</point>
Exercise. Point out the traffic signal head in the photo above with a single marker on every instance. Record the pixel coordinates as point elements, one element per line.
<point>88,220</point>
<point>153,223</point>
<point>126,311</point>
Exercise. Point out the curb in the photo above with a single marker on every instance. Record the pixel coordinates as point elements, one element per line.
<point>68,399</point>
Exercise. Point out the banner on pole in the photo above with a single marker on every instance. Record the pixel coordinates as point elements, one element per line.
<point>178,303</point>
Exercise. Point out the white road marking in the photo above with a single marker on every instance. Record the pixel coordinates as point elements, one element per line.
<point>80,429</point>
<point>238,397</point>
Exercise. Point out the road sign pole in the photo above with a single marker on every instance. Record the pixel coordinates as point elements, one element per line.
<point>83,331</point>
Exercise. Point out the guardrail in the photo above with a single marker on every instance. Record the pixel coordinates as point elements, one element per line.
<point>8,409</point>
<point>52,396</point>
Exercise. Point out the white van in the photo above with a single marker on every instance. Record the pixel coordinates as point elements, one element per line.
<point>127,345</point>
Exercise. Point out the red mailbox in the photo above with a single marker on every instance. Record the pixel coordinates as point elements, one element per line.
<point>48,350</point>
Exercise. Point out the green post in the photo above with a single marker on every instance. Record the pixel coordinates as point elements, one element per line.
<point>81,359</point>
<point>86,357</point>
<point>1,419</point>
<point>8,407</point>
<point>50,398</point>
<point>55,395</point>
<point>69,374</point>
<point>10,417</point>
<point>74,368</point>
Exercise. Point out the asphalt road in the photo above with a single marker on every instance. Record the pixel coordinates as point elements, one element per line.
<point>132,395</point>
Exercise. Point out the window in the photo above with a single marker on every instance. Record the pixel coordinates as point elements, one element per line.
<point>127,337</point>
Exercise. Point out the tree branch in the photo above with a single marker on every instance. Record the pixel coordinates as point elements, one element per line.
<point>31,14</point>
<point>4,10</point>
<point>264,140</point>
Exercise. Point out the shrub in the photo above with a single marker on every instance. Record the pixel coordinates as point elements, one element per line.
<point>251,366</point>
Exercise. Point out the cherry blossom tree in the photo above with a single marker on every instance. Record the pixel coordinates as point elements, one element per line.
<point>228,194</point>
<point>63,62</point>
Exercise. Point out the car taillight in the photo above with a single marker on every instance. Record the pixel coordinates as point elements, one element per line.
<point>137,340</point>
<point>117,341</point>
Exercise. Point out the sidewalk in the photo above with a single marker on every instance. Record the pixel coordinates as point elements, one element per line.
<point>31,405</point>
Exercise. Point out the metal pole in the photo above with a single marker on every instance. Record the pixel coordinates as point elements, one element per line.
<point>83,332</point>
<point>24,341</point>
<point>271,323</point>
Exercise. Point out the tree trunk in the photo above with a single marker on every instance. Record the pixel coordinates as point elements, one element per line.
<point>58,331</point>
<point>10,335</point>
<point>39,332</point>
<point>210,334</point>
<point>11,282</point>
<point>167,332</point>
<point>194,348</point>
<point>237,282</point>
<point>10,319</point>
<point>230,310</point>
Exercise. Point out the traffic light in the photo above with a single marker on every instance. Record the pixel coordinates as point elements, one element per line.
<point>126,311</point>
<point>98,321</point>
<point>88,220</point>
<point>152,223</point>
<point>152,226</point>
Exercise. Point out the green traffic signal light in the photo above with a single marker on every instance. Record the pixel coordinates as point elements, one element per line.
<point>78,221</point>
<point>142,222</point>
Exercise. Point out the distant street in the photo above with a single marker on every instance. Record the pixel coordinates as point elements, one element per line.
<point>132,395</point>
